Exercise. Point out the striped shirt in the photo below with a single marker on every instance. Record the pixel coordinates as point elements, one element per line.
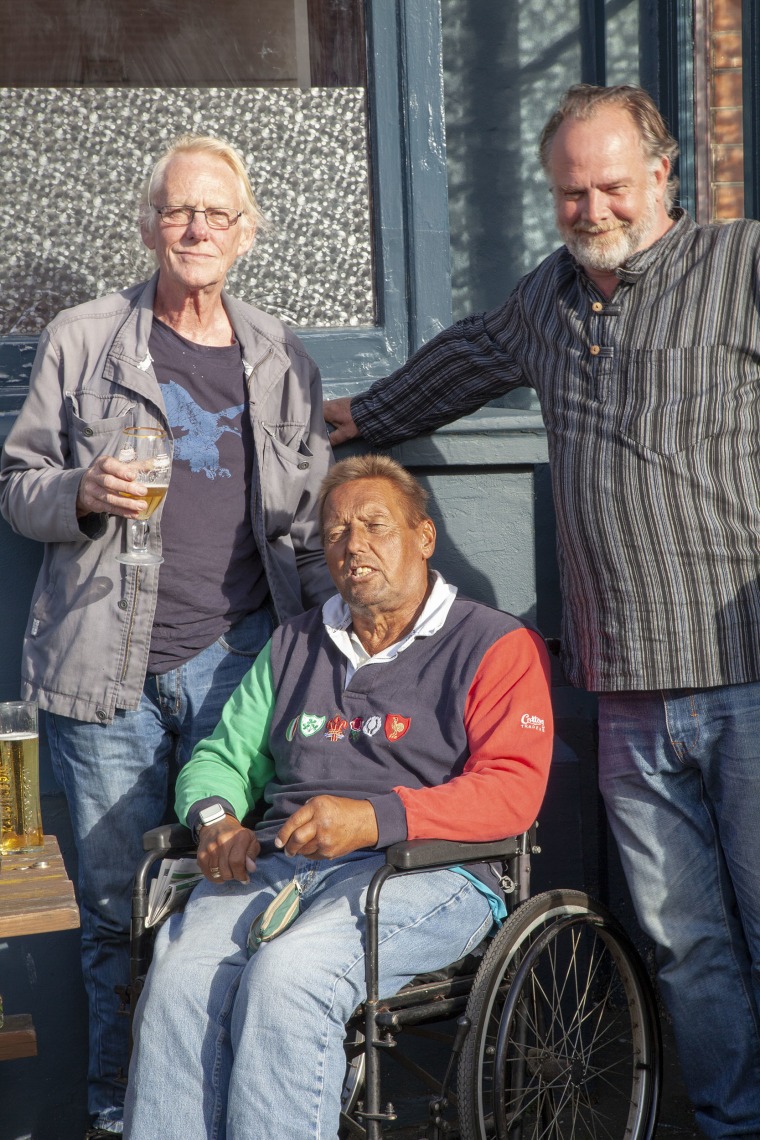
<point>651,402</point>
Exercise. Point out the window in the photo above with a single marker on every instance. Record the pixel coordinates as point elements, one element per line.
<point>92,90</point>
<point>350,168</point>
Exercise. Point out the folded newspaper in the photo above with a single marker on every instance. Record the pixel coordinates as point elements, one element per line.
<point>171,888</point>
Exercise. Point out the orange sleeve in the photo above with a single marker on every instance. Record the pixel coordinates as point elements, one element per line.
<point>508,719</point>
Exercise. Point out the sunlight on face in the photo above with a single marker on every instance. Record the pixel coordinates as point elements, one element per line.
<point>608,195</point>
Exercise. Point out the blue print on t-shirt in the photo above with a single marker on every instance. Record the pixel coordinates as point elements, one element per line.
<point>199,446</point>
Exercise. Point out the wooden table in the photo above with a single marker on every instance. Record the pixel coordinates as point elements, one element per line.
<point>36,896</point>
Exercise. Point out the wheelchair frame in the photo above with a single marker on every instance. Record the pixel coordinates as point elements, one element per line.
<point>539,1022</point>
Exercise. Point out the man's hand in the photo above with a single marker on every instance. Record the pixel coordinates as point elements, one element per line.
<point>338,412</point>
<point>327,827</point>
<point>227,850</point>
<point>102,486</point>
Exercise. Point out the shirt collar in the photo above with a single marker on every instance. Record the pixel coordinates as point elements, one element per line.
<point>337,621</point>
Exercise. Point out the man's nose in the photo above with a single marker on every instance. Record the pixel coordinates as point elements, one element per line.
<point>198,227</point>
<point>595,206</point>
<point>355,537</point>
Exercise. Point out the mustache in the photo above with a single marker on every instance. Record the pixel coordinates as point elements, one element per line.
<point>601,228</point>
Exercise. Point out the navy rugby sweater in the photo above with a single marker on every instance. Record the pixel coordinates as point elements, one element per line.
<point>451,739</point>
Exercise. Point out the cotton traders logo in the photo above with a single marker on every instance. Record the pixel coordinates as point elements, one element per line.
<point>527,720</point>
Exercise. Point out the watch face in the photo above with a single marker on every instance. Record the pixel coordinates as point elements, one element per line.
<point>212,814</point>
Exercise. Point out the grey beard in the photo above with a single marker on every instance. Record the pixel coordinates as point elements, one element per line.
<point>595,255</point>
<point>607,257</point>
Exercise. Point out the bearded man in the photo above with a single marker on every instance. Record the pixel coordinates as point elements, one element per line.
<point>641,337</point>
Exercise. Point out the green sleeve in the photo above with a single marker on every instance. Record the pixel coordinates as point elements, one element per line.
<point>234,762</point>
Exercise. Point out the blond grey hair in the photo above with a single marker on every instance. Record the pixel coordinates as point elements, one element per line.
<point>201,144</point>
<point>372,466</point>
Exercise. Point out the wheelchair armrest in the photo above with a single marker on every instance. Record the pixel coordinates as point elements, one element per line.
<point>169,836</point>
<point>417,854</point>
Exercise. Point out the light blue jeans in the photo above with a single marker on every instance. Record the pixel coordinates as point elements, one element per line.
<point>116,778</point>
<point>241,1049</point>
<point>680,775</point>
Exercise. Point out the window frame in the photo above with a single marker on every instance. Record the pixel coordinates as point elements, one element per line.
<point>409,196</point>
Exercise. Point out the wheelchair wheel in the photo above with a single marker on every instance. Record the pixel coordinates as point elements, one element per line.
<point>565,1036</point>
<point>353,1082</point>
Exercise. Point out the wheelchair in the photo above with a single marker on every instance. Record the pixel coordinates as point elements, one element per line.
<point>548,1031</point>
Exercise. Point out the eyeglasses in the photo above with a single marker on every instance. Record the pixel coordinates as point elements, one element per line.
<point>216,219</point>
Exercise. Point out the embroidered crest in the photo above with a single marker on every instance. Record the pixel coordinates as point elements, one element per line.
<point>335,728</point>
<point>355,728</point>
<point>396,726</point>
<point>372,725</point>
<point>290,731</point>
<point>310,723</point>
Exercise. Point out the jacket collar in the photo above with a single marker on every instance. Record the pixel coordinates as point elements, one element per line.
<point>131,344</point>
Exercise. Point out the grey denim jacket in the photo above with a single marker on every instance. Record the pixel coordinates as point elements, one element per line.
<point>87,639</point>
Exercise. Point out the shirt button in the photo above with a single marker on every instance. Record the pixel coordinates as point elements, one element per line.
<point>303,466</point>
<point>595,350</point>
<point>123,605</point>
<point>101,715</point>
<point>597,306</point>
<point>88,431</point>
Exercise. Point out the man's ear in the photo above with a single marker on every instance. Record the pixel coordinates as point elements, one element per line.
<point>246,238</point>
<point>427,537</point>
<point>147,235</point>
<point>661,174</point>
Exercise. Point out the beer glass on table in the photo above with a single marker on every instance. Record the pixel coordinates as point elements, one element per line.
<point>20,814</point>
<point>146,451</point>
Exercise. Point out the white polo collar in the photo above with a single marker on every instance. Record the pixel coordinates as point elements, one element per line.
<point>337,620</point>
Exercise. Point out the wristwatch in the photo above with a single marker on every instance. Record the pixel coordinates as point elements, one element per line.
<point>215,813</point>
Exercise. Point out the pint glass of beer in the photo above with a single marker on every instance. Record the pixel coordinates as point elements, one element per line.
<point>20,814</point>
<point>146,451</point>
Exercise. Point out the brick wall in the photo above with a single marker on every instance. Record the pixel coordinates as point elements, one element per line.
<point>725,94</point>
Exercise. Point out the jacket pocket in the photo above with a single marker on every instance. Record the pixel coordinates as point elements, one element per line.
<point>95,422</point>
<point>285,469</point>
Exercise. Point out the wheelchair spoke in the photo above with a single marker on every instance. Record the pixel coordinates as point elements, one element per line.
<point>571,1017</point>
<point>570,1053</point>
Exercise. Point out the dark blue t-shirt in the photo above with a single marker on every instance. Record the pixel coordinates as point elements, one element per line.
<point>212,573</point>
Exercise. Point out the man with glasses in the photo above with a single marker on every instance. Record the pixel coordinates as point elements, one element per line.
<point>134,664</point>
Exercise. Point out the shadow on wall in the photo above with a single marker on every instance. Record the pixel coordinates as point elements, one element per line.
<point>483,152</point>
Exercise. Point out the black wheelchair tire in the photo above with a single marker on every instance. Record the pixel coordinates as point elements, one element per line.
<point>546,1056</point>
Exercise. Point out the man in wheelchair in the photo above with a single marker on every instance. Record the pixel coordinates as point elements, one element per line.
<point>397,710</point>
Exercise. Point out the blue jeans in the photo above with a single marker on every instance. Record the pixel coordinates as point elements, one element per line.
<point>116,778</point>
<point>227,1047</point>
<point>680,775</point>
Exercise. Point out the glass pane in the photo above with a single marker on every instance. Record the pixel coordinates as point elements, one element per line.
<point>92,90</point>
